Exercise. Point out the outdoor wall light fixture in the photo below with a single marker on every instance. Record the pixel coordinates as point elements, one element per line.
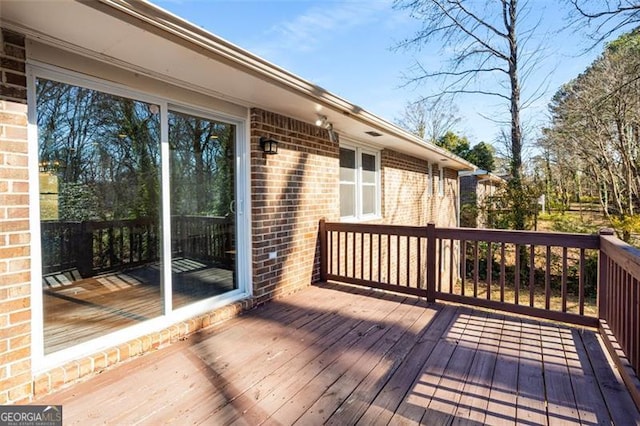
<point>321,121</point>
<point>269,146</point>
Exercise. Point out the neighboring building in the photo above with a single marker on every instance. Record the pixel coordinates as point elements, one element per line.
<point>137,203</point>
<point>477,187</point>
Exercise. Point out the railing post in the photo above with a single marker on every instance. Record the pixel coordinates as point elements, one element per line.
<point>603,270</point>
<point>323,250</point>
<point>431,262</point>
<point>85,250</point>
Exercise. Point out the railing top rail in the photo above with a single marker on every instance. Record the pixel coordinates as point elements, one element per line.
<point>412,231</point>
<point>557,239</point>
<point>622,253</point>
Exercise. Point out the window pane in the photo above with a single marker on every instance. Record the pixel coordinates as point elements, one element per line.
<point>347,165</point>
<point>347,200</point>
<point>202,208</point>
<point>368,199</point>
<point>99,160</point>
<point>368,168</point>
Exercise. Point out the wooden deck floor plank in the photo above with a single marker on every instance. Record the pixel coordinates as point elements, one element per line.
<point>373,343</point>
<point>561,403</point>
<point>531,402</point>
<point>179,386</point>
<point>404,380</point>
<point>279,387</point>
<point>352,409</point>
<point>445,400</point>
<point>448,391</point>
<point>590,403</point>
<point>151,374</point>
<point>225,352</point>
<point>501,409</point>
<point>621,407</point>
<point>471,409</point>
<point>247,383</point>
<point>412,406</point>
<point>411,324</point>
<point>234,386</point>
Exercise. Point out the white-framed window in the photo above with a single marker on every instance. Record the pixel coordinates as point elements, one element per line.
<point>441,182</point>
<point>359,183</point>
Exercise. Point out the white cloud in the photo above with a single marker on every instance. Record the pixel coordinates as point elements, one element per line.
<point>318,25</point>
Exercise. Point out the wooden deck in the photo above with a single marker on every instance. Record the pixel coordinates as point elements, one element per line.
<point>341,355</point>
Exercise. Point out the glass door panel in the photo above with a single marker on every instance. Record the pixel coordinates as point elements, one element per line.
<point>99,169</point>
<point>203,213</point>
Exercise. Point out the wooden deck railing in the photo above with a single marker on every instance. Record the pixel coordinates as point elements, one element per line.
<point>619,306</point>
<point>581,279</point>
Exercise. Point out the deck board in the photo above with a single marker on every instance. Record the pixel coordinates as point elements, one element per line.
<point>472,406</point>
<point>531,408</point>
<point>341,355</point>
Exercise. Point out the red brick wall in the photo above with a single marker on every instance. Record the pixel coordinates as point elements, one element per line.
<point>15,260</point>
<point>13,85</point>
<point>291,192</point>
<point>406,198</point>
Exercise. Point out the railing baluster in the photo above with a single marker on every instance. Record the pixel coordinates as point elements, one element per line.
<point>353,254</point>
<point>379,237</point>
<point>419,264</point>
<point>581,283</point>
<point>398,250</point>
<point>370,256</point>
<point>635,324</point>
<point>338,253</point>
<point>564,279</point>
<point>532,275</point>
<point>547,280</point>
<point>439,249</point>
<point>451,266</point>
<point>516,277</point>
<point>502,271</point>
<point>408,261</point>
<point>463,265</point>
<point>476,268</point>
<point>489,262</point>
<point>389,258</point>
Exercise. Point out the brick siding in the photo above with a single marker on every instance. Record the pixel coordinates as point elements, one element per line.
<point>405,192</point>
<point>15,261</point>
<point>291,192</point>
<point>13,86</point>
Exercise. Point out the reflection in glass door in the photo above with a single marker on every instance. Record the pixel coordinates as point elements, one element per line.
<point>203,214</point>
<point>99,175</point>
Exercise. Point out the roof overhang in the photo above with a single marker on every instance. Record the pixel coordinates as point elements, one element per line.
<point>142,37</point>
<point>483,175</point>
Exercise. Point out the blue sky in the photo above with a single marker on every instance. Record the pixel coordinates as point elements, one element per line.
<point>346,47</point>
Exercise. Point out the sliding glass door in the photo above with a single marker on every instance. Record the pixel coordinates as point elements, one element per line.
<point>103,228</point>
<point>203,222</point>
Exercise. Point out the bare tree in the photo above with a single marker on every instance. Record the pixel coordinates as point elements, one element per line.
<point>429,119</point>
<point>604,18</point>
<point>485,40</point>
<point>597,121</point>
